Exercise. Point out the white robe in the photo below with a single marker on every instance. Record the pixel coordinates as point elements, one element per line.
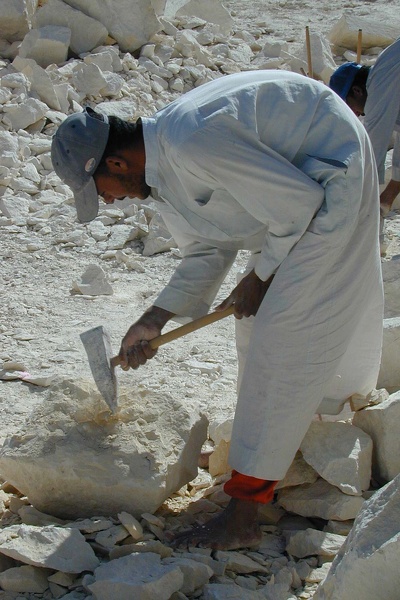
<point>276,163</point>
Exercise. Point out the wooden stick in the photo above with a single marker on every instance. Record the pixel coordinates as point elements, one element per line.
<point>174,334</point>
<point>359,46</point>
<point>309,61</point>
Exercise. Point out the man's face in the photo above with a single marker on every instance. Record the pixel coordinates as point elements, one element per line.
<point>113,187</point>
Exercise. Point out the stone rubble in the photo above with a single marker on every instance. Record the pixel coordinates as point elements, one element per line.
<point>73,524</point>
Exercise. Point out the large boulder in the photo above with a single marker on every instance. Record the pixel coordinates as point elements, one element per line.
<point>15,18</point>
<point>381,422</point>
<point>365,566</point>
<point>131,24</point>
<point>73,459</point>
<point>341,454</point>
<point>344,33</point>
<point>86,33</point>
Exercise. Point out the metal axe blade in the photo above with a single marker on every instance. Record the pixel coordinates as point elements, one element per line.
<point>97,344</point>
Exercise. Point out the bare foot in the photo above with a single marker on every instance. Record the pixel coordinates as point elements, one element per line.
<point>236,527</point>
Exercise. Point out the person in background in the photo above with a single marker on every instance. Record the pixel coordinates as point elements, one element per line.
<point>248,162</point>
<point>375,93</point>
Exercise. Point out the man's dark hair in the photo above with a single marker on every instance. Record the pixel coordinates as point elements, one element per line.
<point>360,80</point>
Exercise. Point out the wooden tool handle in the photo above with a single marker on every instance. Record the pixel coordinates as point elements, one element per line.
<point>183,330</point>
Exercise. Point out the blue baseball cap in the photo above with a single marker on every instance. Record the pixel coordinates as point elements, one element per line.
<point>76,151</point>
<point>342,79</point>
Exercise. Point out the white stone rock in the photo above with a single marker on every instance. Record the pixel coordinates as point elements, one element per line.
<point>139,576</point>
<point>239,563</point>
<point>40,81</point>
<point>9,149</point>
<point>88,79</point>
<point>345,32</point>
<point>323,64</point>
<point>46,45</point>
<point>340,453</point>
<point>132,25</point>
<point>26,113</point>
<point>86,33</point>
<point>93,282</point>
<point>101,464</point>
<point>389,374</point>
<point>25,579</point>
<point>299,472</point>
<point>230,591</point>
<point>195,574</point>
<point>131,524</point>
<point>50,547</point>
<point>14,207</point>
<point>320,499</point>
<point>111,536</point>
<point>381,424</point>
<point>212,11</point>
<point>366,566</point>
<point>314,542</point>
<point>16,18</point>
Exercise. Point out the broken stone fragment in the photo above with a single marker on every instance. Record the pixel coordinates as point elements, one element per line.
<point>93,282</point>
<point>363,568</point>
<point>51,547</point>
<point>136,576</point>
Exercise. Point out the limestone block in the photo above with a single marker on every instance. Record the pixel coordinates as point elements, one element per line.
<point>366,565</point>
<point>136,576</point>
<point>211,11</point>
<point>40,81</point>
<point>389,374</point>
<point>46,45</point>
<point>96,463</point>
<point>381,423</point>
<point>345,33</point>
<point>230,591</point>
<point>313,542</point>
<point>15,18</point>
<point>86,33</point>
<point>239,563</point>
<point>323,64</point>
<point>9,149</point>
<point>320,499</point>
<point>88,79</point>
<point>93,282</point>
<point>132,25</point>
<point>51,547</point>
<point>195,574</point>
<point>14,207</point>
<point>340,453</point>
<point>391,284</point>
<point>21,116</point>
<point>25,579</point>
<point>299,472</point>
<point>218,461</point>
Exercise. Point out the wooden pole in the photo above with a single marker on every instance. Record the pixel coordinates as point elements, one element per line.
<point>359,46</point>
<point>308,45</point>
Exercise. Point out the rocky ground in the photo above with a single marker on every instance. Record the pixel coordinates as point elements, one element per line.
<point>43,256</point>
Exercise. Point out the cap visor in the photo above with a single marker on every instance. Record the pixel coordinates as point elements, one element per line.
<point>87,202</point>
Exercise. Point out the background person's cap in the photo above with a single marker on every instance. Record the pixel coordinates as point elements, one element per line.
<point>76,151</point>
<point>342,79</point>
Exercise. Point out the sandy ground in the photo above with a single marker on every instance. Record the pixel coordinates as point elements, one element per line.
<point>41,317</point>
